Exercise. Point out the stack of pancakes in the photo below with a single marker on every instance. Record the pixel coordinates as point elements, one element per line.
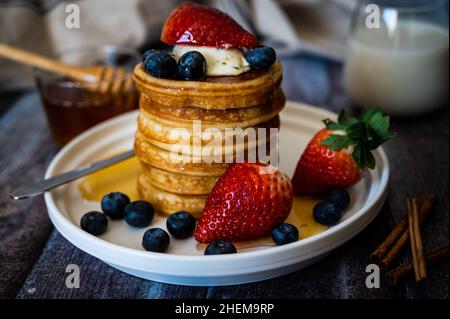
<point>173,180</point>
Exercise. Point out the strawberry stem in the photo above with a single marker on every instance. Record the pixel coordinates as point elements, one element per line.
<point>366,133</point>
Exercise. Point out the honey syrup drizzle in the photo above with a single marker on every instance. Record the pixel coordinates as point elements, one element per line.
<point>122,177</point>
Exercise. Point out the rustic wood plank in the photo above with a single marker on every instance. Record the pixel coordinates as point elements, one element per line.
<point>419,161</point>
<point>97,279</point>
<point>24,226</point>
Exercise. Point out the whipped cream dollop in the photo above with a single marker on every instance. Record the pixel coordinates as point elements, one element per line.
<point>219,62</point>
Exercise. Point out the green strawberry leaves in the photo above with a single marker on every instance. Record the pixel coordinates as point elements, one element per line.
<point>365,133</point>
<point>337,142</point>
<point>363,156</point>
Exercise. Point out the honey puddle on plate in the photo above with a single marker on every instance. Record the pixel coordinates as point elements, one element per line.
<point>300,216</point>
<point>122,177</point>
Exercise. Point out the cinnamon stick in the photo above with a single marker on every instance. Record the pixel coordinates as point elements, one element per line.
<point>379,253</point>
<point>412,239</point>
<point>394,243</point>
<point>435,255</point>
<point>416,240</point>
<point>419,242</point>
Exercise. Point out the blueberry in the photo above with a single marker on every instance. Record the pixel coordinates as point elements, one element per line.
<point>180,224</point>
<point>261,58</point>
<point>139,213</point>
<point>114,203</point>
<point>327,213</point>
<point>161,65</point>
<point>155,239</point>
<point>284,234</point>
<point>220,247</point>
<point>94,223</point>
<point>341,197</point>
<point>149,53</point>
<point>192,66</point>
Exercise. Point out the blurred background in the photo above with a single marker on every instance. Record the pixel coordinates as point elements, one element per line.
<point>39,26</point>
<point>394,53</point>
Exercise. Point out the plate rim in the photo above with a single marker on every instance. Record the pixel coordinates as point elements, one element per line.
<point>60,221</point>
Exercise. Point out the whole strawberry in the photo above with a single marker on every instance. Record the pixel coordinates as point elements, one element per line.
<point>337,155</point>
<point>246,203</point>
<point>201,25</point>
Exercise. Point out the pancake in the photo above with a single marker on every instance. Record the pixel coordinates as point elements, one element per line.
<point>157,157</point>
<point>178,183</point>
<point>242,117</point>
<point>251,88</point>
<point>207,160</point>
<point>167,203</point>
<point>166,135</point>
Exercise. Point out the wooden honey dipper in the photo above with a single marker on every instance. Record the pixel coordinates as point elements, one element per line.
<point>105,78</point>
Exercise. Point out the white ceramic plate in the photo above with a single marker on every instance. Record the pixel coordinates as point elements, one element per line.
<point>183,264</point>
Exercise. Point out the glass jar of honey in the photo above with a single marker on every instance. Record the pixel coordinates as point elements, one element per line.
<point>72,107</point>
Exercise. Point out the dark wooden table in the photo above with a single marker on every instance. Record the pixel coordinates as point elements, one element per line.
<point>34,256</point>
